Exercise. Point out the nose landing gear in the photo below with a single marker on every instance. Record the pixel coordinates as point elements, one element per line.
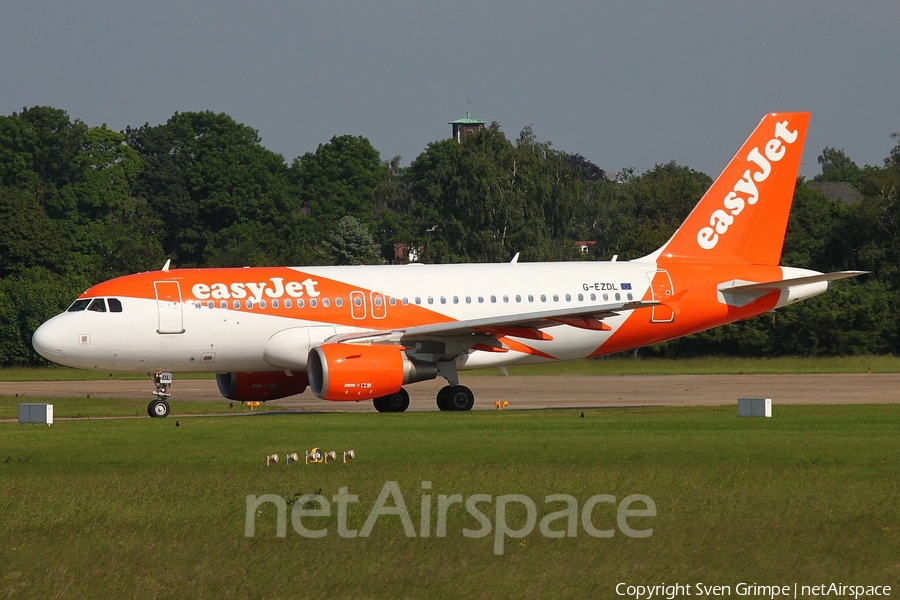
<point>159,408</point>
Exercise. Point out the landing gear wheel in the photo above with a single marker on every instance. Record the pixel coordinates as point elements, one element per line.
<point>397,402</point>
<point>455,397</point>
<point>442,396</point>
<point>158,409</point>
<point>460,398</point>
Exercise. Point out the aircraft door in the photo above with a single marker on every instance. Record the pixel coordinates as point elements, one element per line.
<point>661,287</point>
<point>379,306</point>
<point>357,305</point>
<point>169,307</point>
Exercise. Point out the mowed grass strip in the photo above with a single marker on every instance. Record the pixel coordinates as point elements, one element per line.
<point>141,508</point>
<point>124,407</point>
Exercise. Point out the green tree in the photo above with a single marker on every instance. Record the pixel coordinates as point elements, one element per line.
<point>836,166</point>
<point>815,237</point>
<point>393,209</point>
<point>486,199</point>
<point>28,237</point>
<point>27,299</point>
<point>338,179</point>
<point>351,243</point>
<point>204,173</point>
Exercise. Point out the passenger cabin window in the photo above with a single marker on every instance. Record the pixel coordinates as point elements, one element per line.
<point>115,305</point>
<point>79,305</point>
<point>97,305</point>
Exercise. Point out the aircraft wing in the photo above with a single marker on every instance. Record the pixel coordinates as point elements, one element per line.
<point>528,325</point>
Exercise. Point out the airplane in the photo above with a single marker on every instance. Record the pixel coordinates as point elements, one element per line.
<point>355,333</point>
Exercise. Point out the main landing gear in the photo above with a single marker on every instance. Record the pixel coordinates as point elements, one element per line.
<point>455,397</point>
<point>159,408</point>
<point>397,402</point>
<point>451,397</point>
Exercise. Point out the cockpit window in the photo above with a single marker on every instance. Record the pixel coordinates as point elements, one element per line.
<point>115,305</point>
<point>79,305</point>
<point>97,305</point>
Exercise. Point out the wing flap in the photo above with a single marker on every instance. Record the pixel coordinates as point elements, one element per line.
<point>524,325</point>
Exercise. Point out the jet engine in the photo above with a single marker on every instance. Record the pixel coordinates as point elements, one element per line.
<point>261,386</point>
<point>357,372</point>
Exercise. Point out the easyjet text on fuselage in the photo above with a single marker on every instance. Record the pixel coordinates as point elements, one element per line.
<point>274,288</point>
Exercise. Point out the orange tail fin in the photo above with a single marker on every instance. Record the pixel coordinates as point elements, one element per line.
<point>744,214</point>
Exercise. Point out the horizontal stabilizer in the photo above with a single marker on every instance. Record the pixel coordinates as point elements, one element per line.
<point>783,284</point>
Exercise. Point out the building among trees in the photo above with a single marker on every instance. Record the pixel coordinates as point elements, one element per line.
<point>463,127</point>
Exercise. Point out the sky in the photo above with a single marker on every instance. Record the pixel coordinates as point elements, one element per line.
<point>626,84</point>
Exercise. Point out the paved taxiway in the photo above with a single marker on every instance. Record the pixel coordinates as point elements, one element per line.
<point>535,392</point>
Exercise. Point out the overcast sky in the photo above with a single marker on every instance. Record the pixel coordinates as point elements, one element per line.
<point>630,83</point>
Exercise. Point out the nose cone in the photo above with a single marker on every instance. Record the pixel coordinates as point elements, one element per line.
<point>48,339</point>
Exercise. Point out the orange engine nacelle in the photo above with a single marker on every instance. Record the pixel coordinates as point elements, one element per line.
<point>355,372</point>
<point>261,386</point>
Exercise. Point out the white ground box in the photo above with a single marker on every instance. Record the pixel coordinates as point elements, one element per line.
<point>754,407</point>
<point>36,413</point>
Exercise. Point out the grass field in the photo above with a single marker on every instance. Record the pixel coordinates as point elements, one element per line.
<point>615,365</point>
<point>141,508</point>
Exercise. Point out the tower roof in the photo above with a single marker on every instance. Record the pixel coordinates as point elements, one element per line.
<point>468,120</point>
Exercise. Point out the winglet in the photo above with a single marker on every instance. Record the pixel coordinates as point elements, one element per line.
<point>166,266</point>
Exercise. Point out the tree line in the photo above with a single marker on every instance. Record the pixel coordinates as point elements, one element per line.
<point>81,204</point>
